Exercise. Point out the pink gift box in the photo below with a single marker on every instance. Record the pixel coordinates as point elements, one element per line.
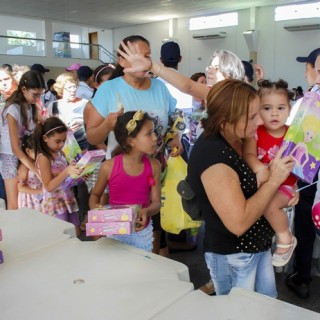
<point>89,161</point>
<point>113,213</point>
<point>109,228</point>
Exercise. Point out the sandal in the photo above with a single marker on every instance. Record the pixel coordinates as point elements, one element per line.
<point>281,259</point>
<point>208,288</point>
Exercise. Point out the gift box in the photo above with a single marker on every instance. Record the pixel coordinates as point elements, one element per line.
<point>71,148</point>
<point>193,123</point>
<point>302,139</point>
<point>89,161</point>
<point>110,228</point>
<point>113,213</point>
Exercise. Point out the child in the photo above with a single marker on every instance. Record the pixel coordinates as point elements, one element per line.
<point>30,186</point>
<point>18,117</point>
<point>52,165</point>
<point>259,152</point>
<point>133,177</point>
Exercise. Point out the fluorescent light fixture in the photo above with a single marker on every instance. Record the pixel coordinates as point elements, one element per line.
<point>216,21</point>
<point>299,11</point>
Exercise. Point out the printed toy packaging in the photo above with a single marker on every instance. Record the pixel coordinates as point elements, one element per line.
<point>113,213</point>
<point>303,138</point>
<point>89,161</point>
<point>110,228</point>
<point>71,148</point>
<point>193,122</point>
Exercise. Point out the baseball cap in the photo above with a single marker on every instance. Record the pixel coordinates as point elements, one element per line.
<point>39,67</point>
<point>73,67</point>
<point>84,73</point>
<point>311,58</point>
<point>170,52</point>
<point>248,69</point>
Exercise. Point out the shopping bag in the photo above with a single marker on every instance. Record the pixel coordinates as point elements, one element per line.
<point>173,218</point>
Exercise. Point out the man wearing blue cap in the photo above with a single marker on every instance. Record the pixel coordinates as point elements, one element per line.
<point>170,56</point>
<point>304,228</point>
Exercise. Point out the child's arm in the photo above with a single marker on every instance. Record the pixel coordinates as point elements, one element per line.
<point>51,182</point>
<point>251,157</point>
<point>155,197</point>
<point>15,143</point>
<point>100,186</point>
<point>23,176</point>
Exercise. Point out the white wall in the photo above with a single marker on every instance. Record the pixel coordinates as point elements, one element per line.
<point>277,48</point>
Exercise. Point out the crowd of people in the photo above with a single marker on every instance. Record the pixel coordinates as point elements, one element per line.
<point>236,165</point>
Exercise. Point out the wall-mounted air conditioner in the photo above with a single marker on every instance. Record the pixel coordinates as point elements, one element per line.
<point>207,36</point>
<point>302,27</point>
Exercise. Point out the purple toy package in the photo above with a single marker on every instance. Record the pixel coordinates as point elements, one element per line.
<point>303,138</point>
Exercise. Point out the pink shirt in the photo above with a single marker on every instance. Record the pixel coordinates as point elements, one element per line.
<point>126,189</point>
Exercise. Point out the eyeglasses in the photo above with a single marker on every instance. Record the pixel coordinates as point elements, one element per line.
<point>211,68</point>
<point>71,88</point>
<point>35,95</point>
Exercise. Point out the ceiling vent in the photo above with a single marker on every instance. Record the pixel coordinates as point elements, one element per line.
<point>302,27</point>
<point>218,35</point>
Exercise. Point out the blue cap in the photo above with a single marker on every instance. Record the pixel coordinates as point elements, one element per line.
<point>311,58</point>
<point>170,52</point>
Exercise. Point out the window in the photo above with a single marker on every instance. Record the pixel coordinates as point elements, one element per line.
<point>75,39</point>
<point>25,38</point>
<point>216,21</point>
<point>299,11</point>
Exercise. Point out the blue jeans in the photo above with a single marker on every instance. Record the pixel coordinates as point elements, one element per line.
<point>251,271</point>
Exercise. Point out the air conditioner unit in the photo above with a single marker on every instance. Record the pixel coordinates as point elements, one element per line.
<point>302,27</point>
<point>218,35</point>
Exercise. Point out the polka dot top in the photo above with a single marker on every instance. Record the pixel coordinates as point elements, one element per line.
<point>205,153</point>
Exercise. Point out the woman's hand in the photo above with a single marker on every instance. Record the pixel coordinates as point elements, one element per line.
<point>176,146</point>
<point>262,176</point>
<point>136,59</point>
<point>280,168</point>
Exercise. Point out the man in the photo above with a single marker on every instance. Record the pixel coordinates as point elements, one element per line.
<point>300,280</point>
<point>40,68</point>
<point>170,57</point>
<point>85,88</point>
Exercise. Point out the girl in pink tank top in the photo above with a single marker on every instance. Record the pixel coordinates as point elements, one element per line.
<point>131,176</point>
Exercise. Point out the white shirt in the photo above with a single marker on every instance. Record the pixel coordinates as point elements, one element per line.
<point>184,101</point>
<point>14,111</point>
<point>84,91</point>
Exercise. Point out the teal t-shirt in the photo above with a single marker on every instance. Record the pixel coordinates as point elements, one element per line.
<point>155,100</point>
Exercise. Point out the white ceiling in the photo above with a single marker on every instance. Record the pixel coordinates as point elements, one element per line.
<point>110,14</point>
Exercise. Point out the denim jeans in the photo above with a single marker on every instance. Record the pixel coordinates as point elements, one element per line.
<point>251,271</point>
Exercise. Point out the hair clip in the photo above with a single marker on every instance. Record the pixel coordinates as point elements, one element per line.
<point>131,125</point>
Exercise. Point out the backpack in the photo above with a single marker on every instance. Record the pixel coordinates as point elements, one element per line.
<point>188,200</point>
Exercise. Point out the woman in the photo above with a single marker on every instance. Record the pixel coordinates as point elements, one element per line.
<point>237,237</point>
<point>132,91</point>
<point>70,108</point>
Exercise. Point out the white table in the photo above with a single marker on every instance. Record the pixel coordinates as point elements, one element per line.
<point>50,274</point>
<point>240,304</point>
<point>47,274</point>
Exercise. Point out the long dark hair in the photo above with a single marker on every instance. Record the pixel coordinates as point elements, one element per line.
<point>118,72</point>
<point>51,126</point>
<point>30,80</point>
